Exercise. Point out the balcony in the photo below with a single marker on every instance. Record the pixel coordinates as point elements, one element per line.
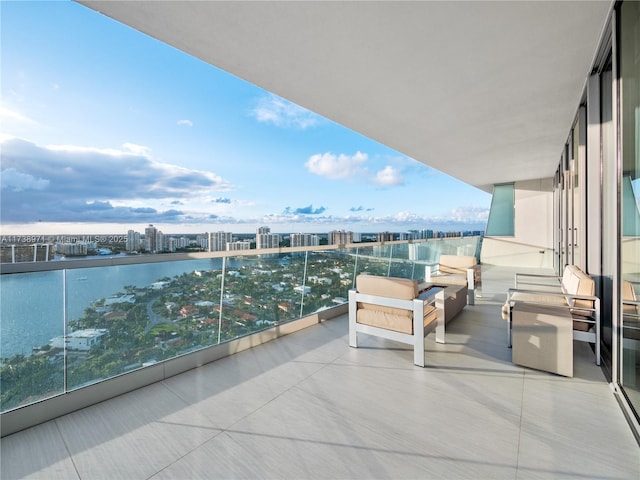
<point>72,324</point>
<point>306,405</point>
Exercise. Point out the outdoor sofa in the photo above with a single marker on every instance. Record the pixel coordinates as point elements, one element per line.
<point>545,314</point>
<point>456,270</point>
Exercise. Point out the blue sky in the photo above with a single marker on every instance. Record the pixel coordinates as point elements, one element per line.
<point>104,129</point>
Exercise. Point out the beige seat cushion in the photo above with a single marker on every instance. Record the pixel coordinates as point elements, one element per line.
<point>582,326</point>
<point>393,321</point>
<point>449,279</point>
<point>540,298</point>
<point>397,319</point>
<point>549,300</point>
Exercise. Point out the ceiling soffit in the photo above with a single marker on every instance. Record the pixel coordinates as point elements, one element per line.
<point>483,91</point>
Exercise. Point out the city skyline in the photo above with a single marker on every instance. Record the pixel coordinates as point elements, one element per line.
<point>105,129</point>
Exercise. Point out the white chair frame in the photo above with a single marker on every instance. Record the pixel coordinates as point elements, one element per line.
<point>416,306</point>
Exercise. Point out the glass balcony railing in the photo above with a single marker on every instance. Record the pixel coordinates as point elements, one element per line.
<point>66,325</point>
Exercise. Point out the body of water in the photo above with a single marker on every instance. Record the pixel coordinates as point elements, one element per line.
<point>32,306</point>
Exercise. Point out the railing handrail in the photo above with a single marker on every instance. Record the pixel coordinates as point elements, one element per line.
<point>108,261</point>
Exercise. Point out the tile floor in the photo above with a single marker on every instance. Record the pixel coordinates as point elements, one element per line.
<point>308,406</point>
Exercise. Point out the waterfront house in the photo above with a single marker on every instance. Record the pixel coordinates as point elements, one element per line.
<point>81,340</point>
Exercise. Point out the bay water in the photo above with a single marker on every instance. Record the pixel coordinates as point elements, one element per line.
<point>32,309</point>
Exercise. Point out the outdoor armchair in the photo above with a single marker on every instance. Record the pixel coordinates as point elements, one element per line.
<point>392,308</point>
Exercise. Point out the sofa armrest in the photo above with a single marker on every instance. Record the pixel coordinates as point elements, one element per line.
<point>631,320</point>
<point>434,269</point>
<point>430,270</point>
<point>467,275</point>
<point>631,308</point>
<point>511,292</point>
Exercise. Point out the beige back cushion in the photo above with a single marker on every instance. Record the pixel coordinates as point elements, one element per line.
<point>566,275</point>
<point>576,282</point>
<point>401,288</point>
<point>628,294</point>
<point>456,263</point>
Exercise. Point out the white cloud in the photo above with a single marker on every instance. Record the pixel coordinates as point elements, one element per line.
<point>79,149</point>
<point>86,184</point>
<point>469,214</point>
<point>137,149</point>
<point>185,122</point>
<point>405,217</point>
<point>282,113</point>
<point>388,177</point>
<point>14,181</point>
<point>400,221</point>
<point>337,166</point>
<point>7,115</point>
<point>128,149</point>
<point>343,166</point>
<point>405,220</point>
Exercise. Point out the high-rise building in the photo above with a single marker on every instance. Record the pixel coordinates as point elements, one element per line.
<point>239,245</point>
<point>202,241</point>
<point>385,237</point>
<point>171,244</point>
<point>218,241</point>
<point>150,238</point>
<point>304,240</point>
<point>340,237</point>
<point>160,242</point>
<point>266,239</point>
<point>72,249</point>
<point>182,242</point>
<point>133,241</point>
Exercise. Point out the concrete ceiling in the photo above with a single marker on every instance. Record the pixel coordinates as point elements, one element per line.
<point>483,91</point>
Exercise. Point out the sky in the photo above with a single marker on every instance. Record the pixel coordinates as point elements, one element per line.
<point>104,129</point>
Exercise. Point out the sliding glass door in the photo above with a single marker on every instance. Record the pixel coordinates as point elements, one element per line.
<point>629,326</point>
